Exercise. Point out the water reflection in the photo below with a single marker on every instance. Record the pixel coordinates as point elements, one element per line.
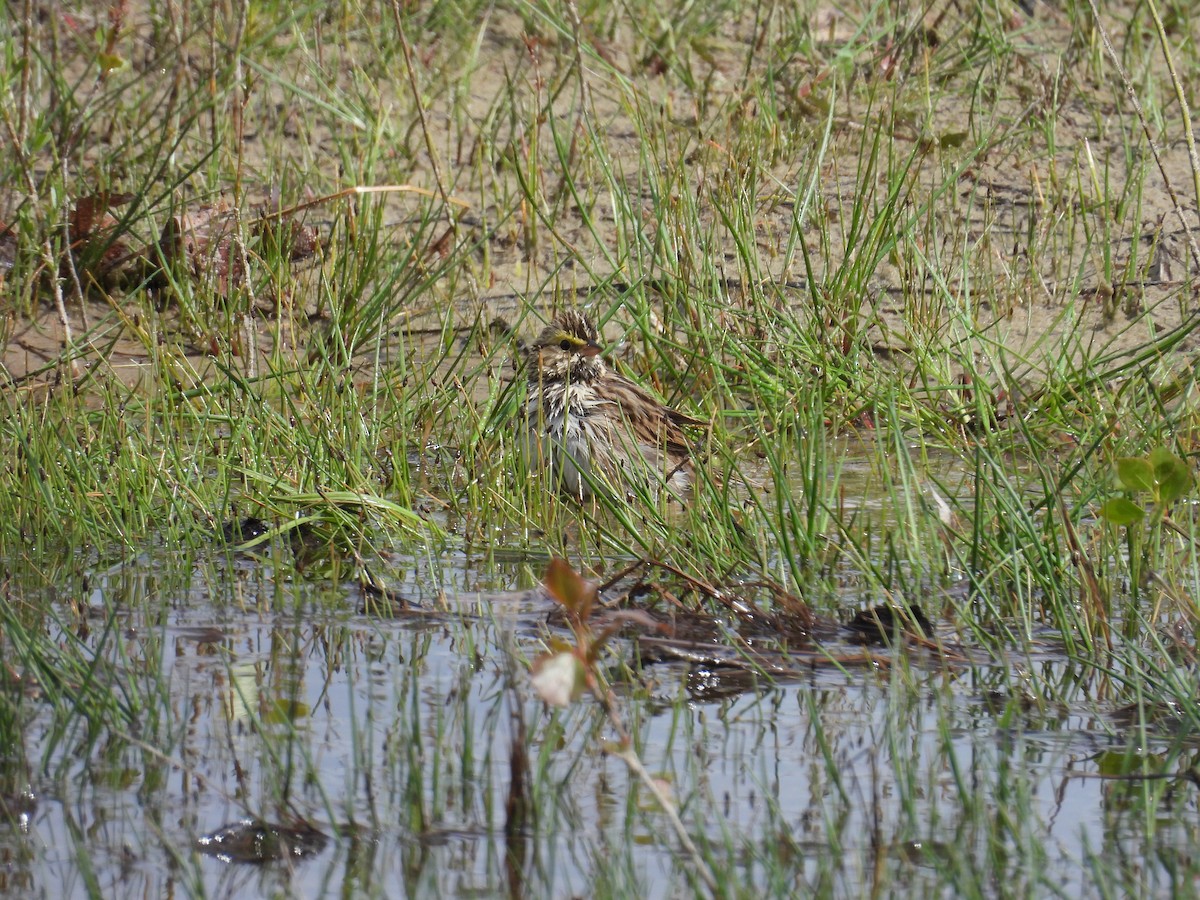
<point>246,690</point>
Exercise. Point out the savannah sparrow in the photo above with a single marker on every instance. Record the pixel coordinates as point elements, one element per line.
<point>586,424</point>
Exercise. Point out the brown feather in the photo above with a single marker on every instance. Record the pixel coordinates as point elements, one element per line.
<point>659,427</point>
<point>573,386</point>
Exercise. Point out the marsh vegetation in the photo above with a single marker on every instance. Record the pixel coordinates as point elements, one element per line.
<point>282,609</point>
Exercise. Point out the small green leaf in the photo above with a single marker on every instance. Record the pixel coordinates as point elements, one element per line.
<point>1135,474</point>
<point>1177,484</point>
<point>1172,474</point>
<point>1120,511</point>
<point>110,62</point>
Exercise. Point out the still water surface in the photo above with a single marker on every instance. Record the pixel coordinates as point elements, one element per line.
<point>262,692</point>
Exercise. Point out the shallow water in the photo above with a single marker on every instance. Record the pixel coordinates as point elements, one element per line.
<point>259,692</point>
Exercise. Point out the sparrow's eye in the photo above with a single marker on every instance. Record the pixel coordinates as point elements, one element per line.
<point>566,345</point>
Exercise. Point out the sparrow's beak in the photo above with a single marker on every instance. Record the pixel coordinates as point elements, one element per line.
<point>591,348</point>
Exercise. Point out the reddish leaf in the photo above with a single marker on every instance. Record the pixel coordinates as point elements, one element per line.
<point>94,245</point>
<point>569,588</point>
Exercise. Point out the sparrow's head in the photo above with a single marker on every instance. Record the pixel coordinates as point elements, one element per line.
<point>566,350</point>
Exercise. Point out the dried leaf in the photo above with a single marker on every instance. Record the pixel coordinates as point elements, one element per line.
<point>94,245</point>
<point>285,237</point>
<point>202,240</point>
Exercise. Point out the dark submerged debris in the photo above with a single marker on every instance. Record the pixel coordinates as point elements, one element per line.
<point>256,841</point>
<point>247,529</point>
<point>884,623</point>
<point>708,684</point>
<point>735,633</point>
<point>18,808</point>
<point>774,664</point>
<point>378,599</point>
<point>203,634</point>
